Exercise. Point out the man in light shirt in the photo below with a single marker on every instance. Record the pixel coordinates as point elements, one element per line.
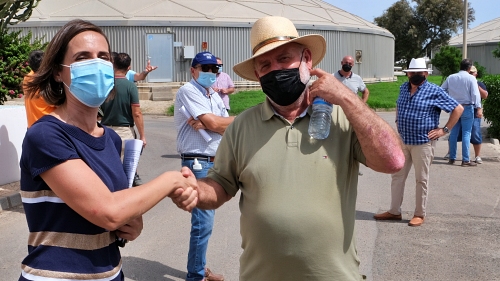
<point>463,88</point>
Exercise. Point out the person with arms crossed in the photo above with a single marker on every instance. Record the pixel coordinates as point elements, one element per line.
<point>36,107</point>
<point>207,112</point>
<point>298,194</point>
<point>353,81</point>
<point>224,86</point>
<point>73,186</point>
<point>123,112</point>
<point>418,109</point>
<point>463,88</point>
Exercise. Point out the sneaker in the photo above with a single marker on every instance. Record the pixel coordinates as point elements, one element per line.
<point>447,156</point>
<point>468,164</point>
<point>478,160</point>
<point>137,180</point>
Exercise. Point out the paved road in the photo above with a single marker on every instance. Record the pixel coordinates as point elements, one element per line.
<point>460,239</point>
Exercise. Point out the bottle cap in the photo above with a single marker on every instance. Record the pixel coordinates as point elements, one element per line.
<point>319,100</point>
<point>197,165</point>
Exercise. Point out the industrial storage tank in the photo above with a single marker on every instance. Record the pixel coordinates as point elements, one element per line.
<point>170,32</point>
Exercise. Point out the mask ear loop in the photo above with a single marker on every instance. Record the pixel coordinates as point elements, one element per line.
<point>301,56</point>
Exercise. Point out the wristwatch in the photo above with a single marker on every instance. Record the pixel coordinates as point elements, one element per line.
<point>446,130</point>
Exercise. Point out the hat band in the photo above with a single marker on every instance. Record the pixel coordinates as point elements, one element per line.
<point>272,40</point>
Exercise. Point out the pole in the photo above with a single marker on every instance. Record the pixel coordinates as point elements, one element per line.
<point>464,44</point>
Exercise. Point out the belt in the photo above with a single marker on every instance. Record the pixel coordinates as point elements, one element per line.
<point>466,104</point>
<point>199,156</point>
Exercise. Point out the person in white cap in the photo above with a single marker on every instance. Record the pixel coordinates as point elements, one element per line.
<point>418,109</point>
<point>298,195</point>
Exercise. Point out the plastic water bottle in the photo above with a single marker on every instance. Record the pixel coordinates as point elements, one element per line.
<point>196,165</point>
<point>319,125</point>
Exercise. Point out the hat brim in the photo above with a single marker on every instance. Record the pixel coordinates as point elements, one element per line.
<point>418,70</point>
<point>314,42</point>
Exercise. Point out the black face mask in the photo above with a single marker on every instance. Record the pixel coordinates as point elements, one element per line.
<point>417,79</point>
<point>346,67</point>
<point>283,86</point>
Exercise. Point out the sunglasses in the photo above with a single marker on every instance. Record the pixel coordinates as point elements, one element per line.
<point>214,68</point>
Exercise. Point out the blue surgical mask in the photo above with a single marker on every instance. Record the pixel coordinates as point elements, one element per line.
<point>220,69</point>
<point>91,81</point>
<point>206,79</point>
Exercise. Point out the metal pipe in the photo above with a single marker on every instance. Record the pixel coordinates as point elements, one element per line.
<point>464,44</point>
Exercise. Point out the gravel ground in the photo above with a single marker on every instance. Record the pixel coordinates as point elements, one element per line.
<point>147,106</point>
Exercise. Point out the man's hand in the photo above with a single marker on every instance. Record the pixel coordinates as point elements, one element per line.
<point>436,133</point>
<point>479,113</point>
<point>131,230</point>
<point>196,124</point>
<point>186,198</point>
<point>150,68</point>
<point>327,87</point>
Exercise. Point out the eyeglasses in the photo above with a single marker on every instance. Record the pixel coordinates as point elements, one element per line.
<point>209,67</point>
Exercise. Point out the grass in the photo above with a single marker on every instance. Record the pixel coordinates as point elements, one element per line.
<point>383,95</point>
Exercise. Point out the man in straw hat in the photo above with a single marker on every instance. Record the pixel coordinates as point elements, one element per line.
<point>298,195</point>
<point>418,108</point>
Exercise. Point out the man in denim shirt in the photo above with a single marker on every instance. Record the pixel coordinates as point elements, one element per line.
<point>418,108</point>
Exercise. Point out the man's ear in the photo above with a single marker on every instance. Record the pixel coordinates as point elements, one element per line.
<point>308,58</point>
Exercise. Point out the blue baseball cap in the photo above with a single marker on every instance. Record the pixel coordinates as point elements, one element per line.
<point>204,58</point>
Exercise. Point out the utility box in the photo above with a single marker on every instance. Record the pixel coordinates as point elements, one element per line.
<point>189,52</point>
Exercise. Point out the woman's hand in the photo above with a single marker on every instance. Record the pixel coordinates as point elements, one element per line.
<point>131,230</point>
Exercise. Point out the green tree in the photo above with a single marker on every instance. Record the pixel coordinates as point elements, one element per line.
<point>447,61</point>
<point>15,11</point>
<point>491,107</point>
<point>14,51</point>
<point>423,25</point>
<point>496,52</point>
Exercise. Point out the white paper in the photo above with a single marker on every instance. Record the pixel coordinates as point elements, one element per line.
<point>131,155</point>
<point>203,133</point>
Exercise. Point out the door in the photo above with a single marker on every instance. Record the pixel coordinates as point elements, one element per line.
<point>160,48</point>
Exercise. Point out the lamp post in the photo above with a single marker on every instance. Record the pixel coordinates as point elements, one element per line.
<point>464,44</point>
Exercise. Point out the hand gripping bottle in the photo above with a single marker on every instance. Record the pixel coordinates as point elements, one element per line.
<point>319,125</point>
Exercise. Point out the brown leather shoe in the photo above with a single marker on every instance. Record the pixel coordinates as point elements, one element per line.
<point>387,216</point>
<point>210,276</point>
<point>469,164</point>
<point>416,221</point>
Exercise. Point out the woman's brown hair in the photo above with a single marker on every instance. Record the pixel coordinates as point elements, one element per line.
<point>43,80</point>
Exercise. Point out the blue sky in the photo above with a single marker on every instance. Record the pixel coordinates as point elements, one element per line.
<point>485,10</point>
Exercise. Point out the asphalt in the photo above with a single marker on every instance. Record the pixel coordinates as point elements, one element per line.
<point>10,196</point>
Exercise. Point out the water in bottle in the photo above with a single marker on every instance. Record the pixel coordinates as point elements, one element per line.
<point>319,125</point>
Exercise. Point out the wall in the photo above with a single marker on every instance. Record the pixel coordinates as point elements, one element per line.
<point>13,126</point>
<point>232,44</point>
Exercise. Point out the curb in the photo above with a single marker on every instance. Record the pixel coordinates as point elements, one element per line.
<point>10,201</point>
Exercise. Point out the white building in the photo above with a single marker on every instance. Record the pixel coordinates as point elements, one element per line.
<point>481,41</point>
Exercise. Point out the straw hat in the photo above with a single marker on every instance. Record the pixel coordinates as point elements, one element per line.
<point>473,69</point>
<point>271,32</point>
<point>417,65</point>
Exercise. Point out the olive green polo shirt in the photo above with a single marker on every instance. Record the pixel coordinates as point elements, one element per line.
<point>298,195</point>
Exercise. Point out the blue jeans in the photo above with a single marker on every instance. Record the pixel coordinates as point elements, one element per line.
<point>202,222</point>
<point>465,124</point>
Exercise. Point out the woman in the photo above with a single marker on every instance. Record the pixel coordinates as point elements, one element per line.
<point>73,185</point>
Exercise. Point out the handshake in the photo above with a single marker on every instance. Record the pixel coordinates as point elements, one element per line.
<point>184,192</point>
